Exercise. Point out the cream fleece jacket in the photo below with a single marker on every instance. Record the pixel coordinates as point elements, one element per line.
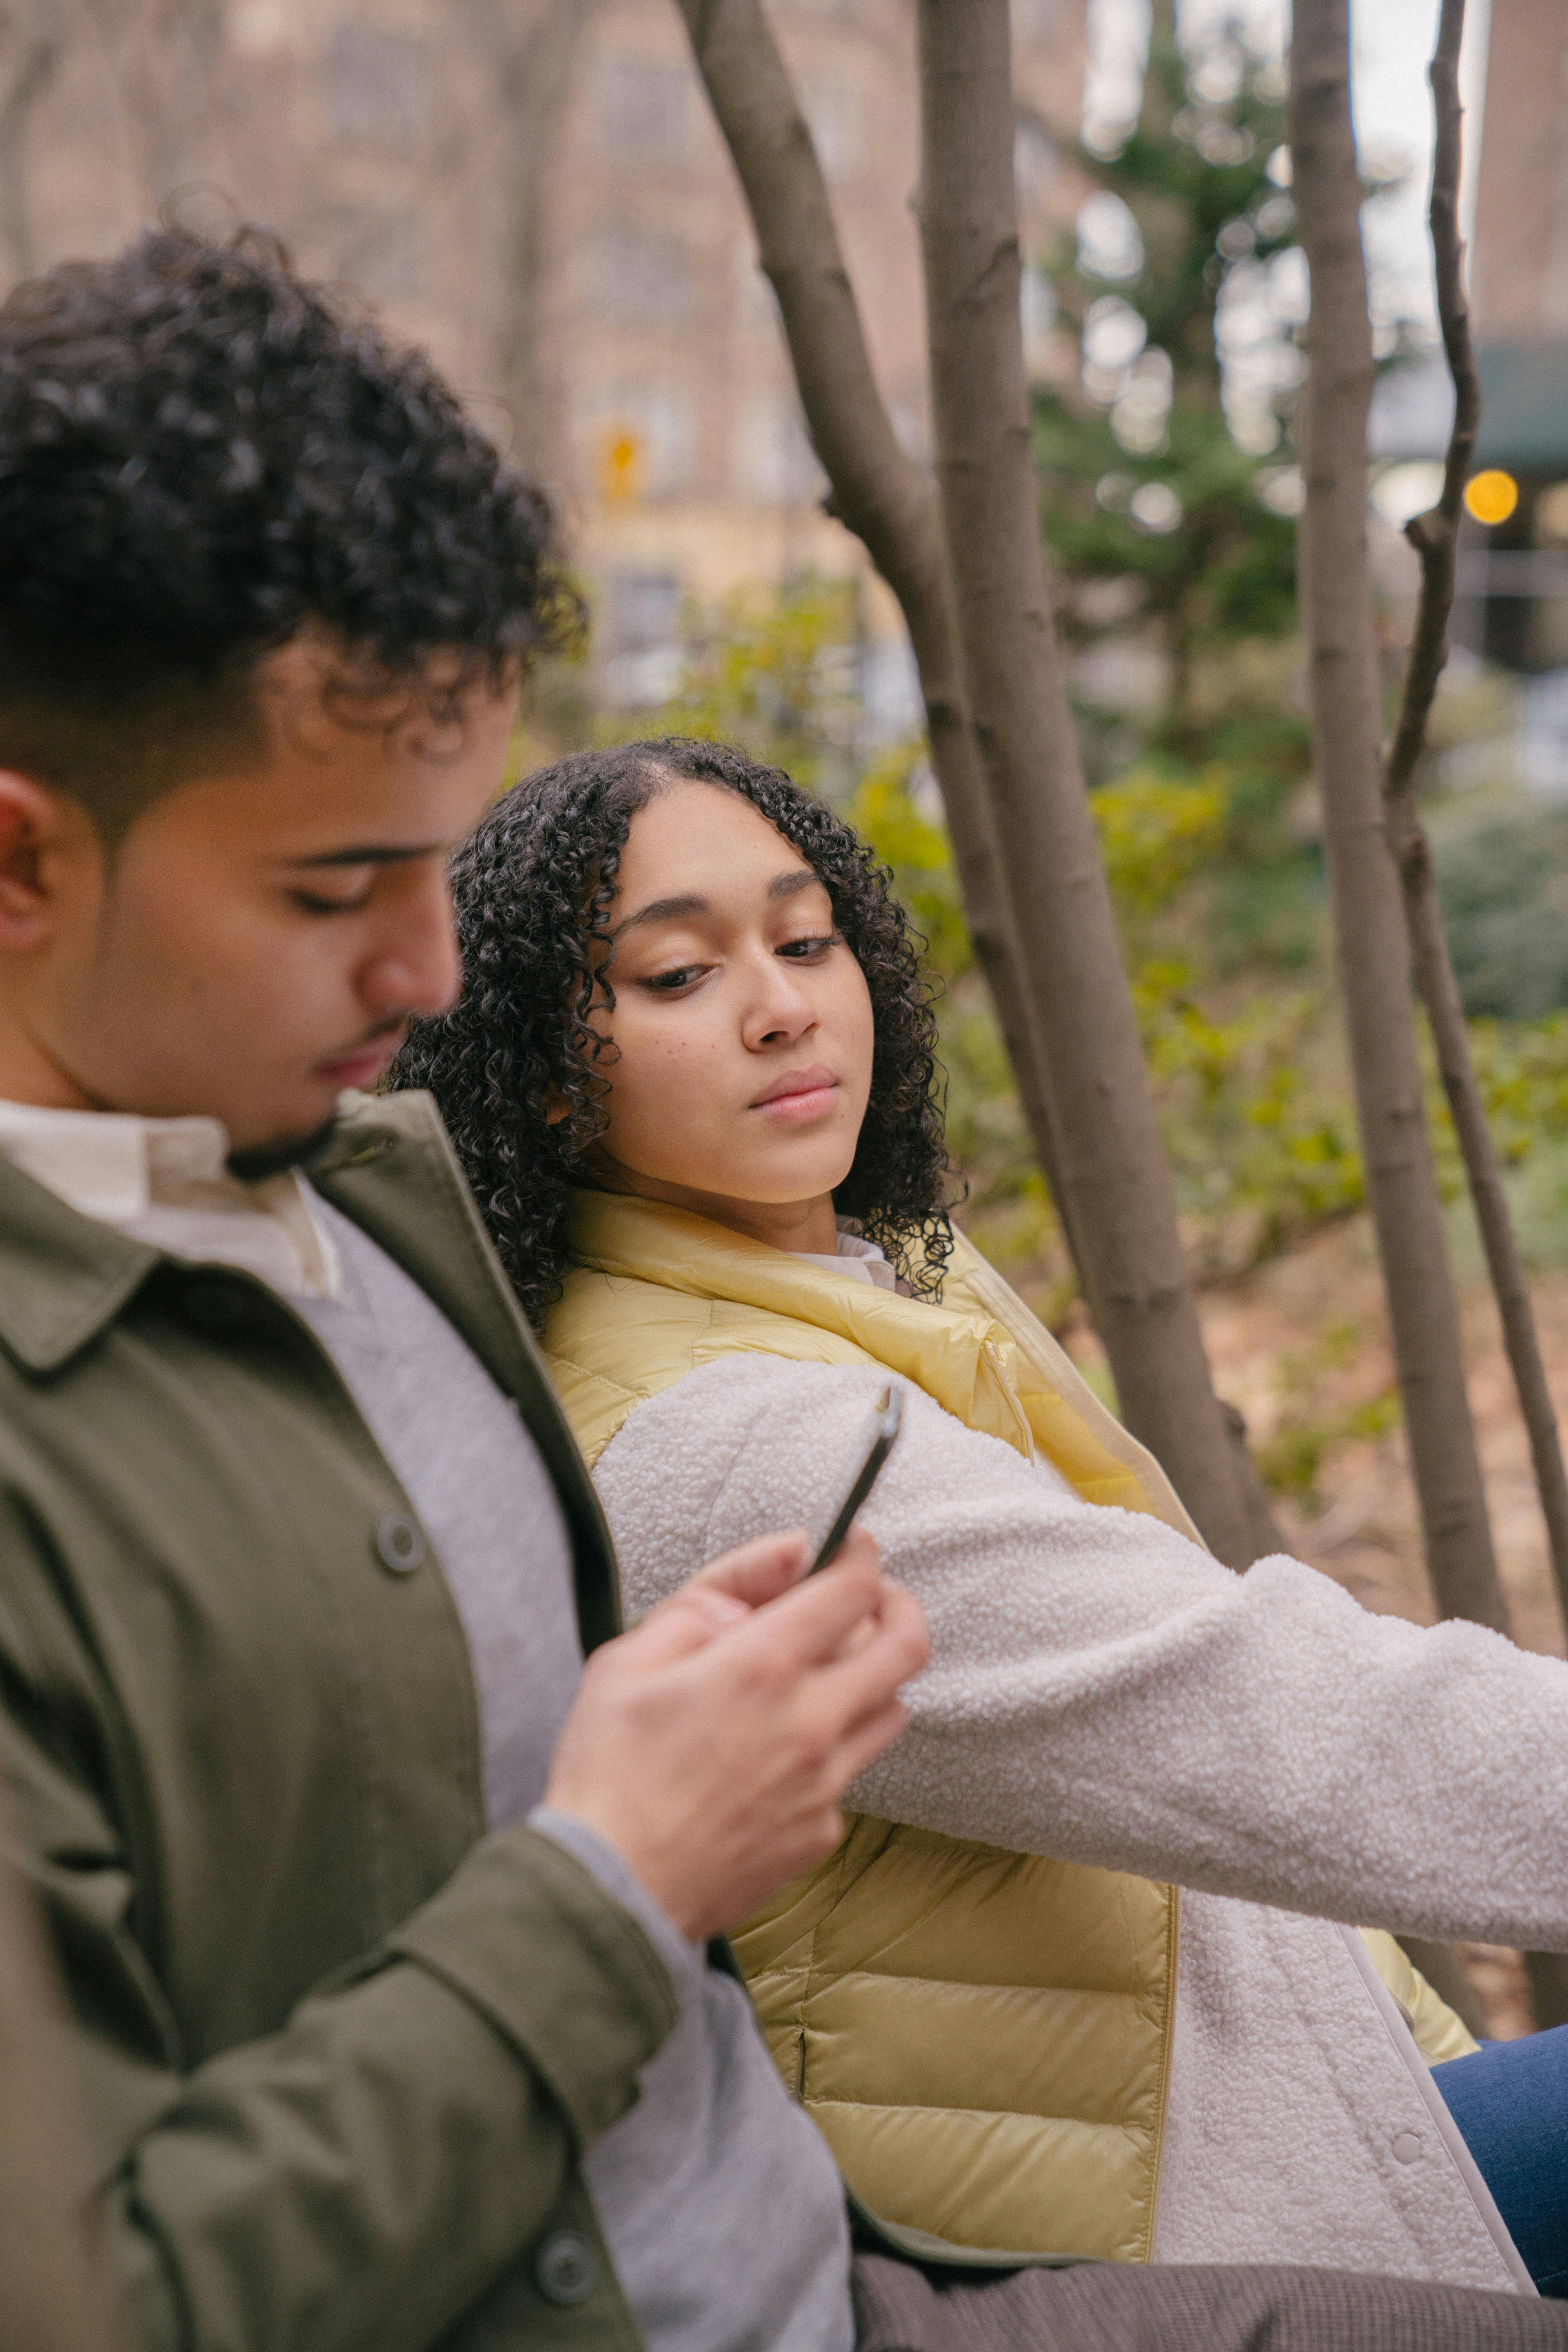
<point>1103,1691</point>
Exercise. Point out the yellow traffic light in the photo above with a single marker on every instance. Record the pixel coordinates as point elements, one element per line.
<point>1492,497</point>
<point>620,464</point>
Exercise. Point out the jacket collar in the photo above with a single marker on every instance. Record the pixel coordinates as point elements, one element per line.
<point>62,1275</point>
<point>956,1355</point>
<point>981,1354</point>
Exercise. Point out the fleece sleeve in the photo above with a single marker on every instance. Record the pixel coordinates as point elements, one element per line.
<point>1103,1691</point>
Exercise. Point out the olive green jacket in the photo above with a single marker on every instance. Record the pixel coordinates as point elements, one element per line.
<point>340,2050</point>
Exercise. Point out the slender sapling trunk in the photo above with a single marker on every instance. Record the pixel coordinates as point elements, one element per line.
<point>1370,935</point>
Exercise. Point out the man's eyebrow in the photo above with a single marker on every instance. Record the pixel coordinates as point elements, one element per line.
<point>372,852</point>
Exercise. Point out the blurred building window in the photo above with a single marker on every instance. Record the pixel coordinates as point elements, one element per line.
<point>1036,162</point>
<point>642,440</point>
<point>843,12</point>
<point>909,415</point>
<point>640,609</point>
<point>643,109</point>
<point>638,638</point>
<point>832,110</point>
<point>759,303</point>
<point>378,249</point>
<point>1551,516</point>
<point>379,88</point>
<point>642,276</point>
<point>1037,313</point>
<point>1037,20</point>
<point>775,463</point>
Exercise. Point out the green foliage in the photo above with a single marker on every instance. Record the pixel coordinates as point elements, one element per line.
<point>1504,890</point>
<point>1143,482</point>
<point>1291,1456</point>
<point>772,671</point>
<point>1156,831</point>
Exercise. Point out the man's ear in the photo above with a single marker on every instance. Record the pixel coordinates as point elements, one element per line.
<point>42,836</point>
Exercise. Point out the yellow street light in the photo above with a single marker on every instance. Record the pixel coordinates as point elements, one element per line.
<point>1492,497</point>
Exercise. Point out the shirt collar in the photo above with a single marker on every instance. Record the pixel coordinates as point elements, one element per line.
<point>103,1163</point>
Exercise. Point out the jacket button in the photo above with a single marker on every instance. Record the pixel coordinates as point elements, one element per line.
<point>216,1305</point>
<point>400,1542</point>
<point>1406,2147</point>
<point>565,2268</point>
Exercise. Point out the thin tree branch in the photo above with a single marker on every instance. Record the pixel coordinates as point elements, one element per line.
<point>1149,1326</point>
<point>1370,938</point>
<point>1434,538</point>
<point>1112,1161</point>
<point>877,490</point>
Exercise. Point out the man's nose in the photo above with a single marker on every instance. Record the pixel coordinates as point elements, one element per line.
<point>416,967</point>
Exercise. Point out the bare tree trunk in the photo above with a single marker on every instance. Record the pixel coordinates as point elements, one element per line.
<point>877,491</point>
<point>1111,1163</point>
<point>885,500</point>
<point>1372,951</point>
<point>49,2301</point>
<point>1434,537</point>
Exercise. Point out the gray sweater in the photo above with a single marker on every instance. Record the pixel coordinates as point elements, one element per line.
<point>720,2204</point>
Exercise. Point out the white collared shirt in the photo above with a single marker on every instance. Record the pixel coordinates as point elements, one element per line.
<point>167,1181</point>
<point>861,1260</point>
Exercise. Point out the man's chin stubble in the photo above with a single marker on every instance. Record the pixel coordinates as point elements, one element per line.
<point>262,1160</point>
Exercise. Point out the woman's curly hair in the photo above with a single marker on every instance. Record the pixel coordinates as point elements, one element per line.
<point>533,886</point>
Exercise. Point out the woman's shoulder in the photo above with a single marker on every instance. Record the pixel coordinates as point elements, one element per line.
<point>613,1341</point>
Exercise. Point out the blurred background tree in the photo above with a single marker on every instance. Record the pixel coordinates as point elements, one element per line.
<point>1169,494</point>
<point>1161,494</point>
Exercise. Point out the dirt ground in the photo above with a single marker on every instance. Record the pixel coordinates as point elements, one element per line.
<point>1301,1346</point>
<point>1303,1342</point>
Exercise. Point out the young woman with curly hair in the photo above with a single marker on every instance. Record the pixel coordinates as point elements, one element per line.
<point>692,1080</point>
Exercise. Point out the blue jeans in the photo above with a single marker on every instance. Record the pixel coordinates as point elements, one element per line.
<point>1510,2103</point>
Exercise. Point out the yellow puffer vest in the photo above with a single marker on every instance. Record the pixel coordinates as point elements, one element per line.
<point>983,2037</point>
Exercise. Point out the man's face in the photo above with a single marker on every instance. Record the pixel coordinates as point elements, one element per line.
<point>260,938</point>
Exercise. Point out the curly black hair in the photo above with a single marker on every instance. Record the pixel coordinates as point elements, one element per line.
<point>533,888</point>
<point>201,456</point>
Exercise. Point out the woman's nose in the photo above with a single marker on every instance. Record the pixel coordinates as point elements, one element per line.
<point>780,1012</point>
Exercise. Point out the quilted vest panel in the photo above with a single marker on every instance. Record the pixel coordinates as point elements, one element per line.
<point>983,2037</point>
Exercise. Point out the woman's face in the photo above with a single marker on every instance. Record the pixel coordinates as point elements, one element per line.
<point>743,1022</point>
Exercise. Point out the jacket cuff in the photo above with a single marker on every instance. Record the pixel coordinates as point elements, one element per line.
<point>686,1961</point>
<point>526,1934</point>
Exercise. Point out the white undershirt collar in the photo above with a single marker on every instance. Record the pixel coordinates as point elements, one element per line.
<point>167,1182</point>
<point>861,1260</point>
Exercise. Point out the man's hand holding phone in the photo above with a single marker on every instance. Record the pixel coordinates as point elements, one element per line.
<point>710,1745</point>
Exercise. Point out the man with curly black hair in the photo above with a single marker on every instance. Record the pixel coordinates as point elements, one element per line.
<point>379,1911</point>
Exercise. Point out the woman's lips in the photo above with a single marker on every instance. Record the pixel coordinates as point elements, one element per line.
<point>804,1095</point>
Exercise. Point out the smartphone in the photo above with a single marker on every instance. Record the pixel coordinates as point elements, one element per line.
<point>889,1409</point>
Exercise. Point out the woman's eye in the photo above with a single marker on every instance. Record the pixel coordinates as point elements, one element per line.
<point>683,975</point>
<point>802,950</point>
